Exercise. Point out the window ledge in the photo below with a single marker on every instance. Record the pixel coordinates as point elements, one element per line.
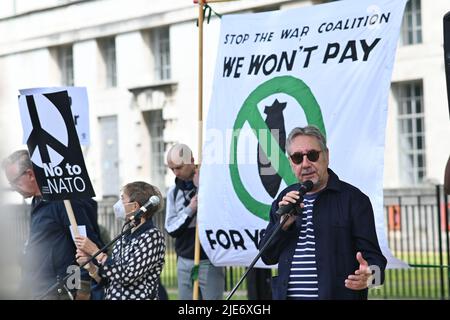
<point>158,85</point>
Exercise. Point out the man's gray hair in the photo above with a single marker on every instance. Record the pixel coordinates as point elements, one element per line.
<point>311,131</point>
<point>19,157</point>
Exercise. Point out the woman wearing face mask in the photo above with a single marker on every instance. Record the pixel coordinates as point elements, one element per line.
<point>132,271</point>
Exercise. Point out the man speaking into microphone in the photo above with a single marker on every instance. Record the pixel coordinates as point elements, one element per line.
<point>328,246</point>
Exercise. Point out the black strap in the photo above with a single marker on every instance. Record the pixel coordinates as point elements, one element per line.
<point>175,192</point>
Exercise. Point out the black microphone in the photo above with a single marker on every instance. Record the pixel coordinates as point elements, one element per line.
<point>152,202</point>
<point>304,188</point>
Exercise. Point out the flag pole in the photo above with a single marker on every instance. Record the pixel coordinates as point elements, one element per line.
<point>200,129</point>
<point>200,137</point>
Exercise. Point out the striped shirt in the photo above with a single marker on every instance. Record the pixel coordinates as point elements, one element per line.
<point>303,280</point>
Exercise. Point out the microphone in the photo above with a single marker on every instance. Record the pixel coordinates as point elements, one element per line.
<point>152,202</point>
<point>305,187</point>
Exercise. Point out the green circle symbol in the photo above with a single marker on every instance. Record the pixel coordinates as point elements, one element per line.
<point>293,87</point>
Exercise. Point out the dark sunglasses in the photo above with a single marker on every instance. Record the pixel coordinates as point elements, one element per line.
<point>312,155</point>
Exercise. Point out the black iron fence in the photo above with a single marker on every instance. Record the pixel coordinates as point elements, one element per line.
<point>417,227</point>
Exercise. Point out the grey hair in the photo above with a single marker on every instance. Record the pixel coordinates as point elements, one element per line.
<point>311,131</point>
<point>141,192</point>
<point>19,157</point>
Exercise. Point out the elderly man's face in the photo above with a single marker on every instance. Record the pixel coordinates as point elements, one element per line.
<point>309,167</point>
<point>22,181</point>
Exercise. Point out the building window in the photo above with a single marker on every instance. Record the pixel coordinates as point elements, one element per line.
<point>65,63</point>
<point>412,24</point>
<point>411,126</point>
<point>160,41</point>
<point>109,155</point>
<point>108,51</point>
<point>155,124</point>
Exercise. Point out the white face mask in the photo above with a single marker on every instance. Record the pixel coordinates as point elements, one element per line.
<point>119,210</point>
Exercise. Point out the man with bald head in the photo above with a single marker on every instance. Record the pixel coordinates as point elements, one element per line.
<point>181,211</point>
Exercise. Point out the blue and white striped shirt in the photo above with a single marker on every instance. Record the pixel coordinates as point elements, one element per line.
<point>303,280</point>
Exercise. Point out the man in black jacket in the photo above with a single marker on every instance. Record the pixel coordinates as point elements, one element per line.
<point>181,211</point>
<point>49,251</point>
<point>329,250</point>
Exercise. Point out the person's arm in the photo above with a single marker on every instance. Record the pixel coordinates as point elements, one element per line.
<point>272,253</point>
<point>90,248</point>
<point>178,221</point>
<point>366,242</point>
<point>82,257</point>
<point>61,248</point>
<point>82,213</point>
<point>148,256</point>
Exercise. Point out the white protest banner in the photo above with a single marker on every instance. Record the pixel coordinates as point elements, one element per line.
<point>327,65</point>
<point>79,106</point>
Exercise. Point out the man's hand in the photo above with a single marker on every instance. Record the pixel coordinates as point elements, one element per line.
<point>194,203</point>
<point>290,197</point>
<point>362,277</point>
<point>196,177</point>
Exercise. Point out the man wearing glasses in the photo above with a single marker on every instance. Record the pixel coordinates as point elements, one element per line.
<point>49,250</point>
<point>325,251</point>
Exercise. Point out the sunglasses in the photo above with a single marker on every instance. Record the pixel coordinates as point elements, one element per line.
<point>312,155</point>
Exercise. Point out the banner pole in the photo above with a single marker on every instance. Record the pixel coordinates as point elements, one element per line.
<point>200,136</point>
<point>71,215</point>
<point>73,221</point>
